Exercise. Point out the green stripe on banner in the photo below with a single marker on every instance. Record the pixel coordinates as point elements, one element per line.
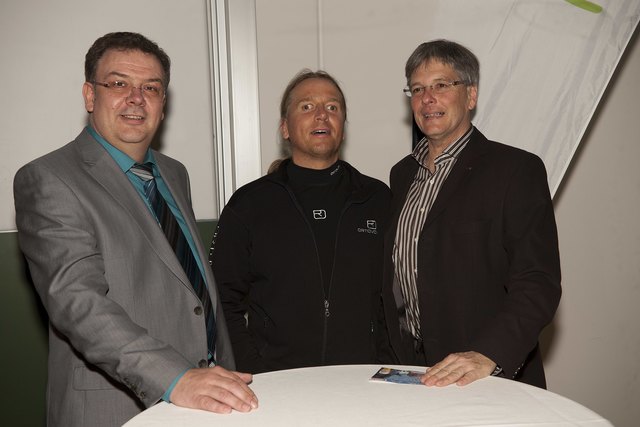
<point>586,5</point>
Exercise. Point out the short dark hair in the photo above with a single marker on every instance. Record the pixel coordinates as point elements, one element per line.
<point>461,59</point>
<point>124,41</point>
<point>303,75</point>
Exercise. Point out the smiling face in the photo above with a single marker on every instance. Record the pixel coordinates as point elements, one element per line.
<point>314,123</point>
<point>128,120</point>
<point>445,117</point>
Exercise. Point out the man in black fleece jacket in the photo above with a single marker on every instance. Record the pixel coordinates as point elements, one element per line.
<point>297,255</point>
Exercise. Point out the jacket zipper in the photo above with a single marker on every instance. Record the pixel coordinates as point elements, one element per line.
<point>327,312</point>
<point>326,295</point>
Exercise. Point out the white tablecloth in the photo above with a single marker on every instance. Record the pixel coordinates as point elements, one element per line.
<point>337,396</point>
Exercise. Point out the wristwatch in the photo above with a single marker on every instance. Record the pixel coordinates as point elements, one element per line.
<point>496,371</point>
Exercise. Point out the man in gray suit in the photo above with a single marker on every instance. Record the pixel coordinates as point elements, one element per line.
<point>129,326</point>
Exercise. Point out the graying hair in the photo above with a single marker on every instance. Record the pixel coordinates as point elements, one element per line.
<point>461,59</point>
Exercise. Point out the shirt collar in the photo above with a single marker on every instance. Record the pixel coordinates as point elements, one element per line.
<point>451,152</point>
<point>123,160</point>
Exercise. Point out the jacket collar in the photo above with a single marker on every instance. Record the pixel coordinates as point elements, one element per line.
<point>475,149</point>
<point>362,189</point>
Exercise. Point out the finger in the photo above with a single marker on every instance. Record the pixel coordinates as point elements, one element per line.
<point>466,379</point>
<point>440,375</point>
<point>452,377</point>
<point>238,389</point>
<point>444,377</point>
<point>231,396</point>
<point>245,377</point>
<point>471,376</point>
<point>238,385</point>
<point>212,405</point>
<point>446,365</point>
<point>435,371</point>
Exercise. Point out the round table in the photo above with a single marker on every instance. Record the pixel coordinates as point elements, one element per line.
<point>336,396</point>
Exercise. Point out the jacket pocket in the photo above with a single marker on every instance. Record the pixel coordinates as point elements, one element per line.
<point>89,379</point>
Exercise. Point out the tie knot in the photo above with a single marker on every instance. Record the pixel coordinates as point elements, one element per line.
<point>143,171</point>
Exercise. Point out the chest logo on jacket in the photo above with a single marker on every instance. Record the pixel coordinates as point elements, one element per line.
<point>319,214</point>
<point>371,228</point>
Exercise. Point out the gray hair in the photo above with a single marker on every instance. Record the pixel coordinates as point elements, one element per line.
<point>461,59</point>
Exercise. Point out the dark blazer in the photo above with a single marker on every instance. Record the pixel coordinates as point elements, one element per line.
<point>121,309</point>
<point>488,262</point>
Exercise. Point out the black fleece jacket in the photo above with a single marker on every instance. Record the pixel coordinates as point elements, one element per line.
<point>266,264</point>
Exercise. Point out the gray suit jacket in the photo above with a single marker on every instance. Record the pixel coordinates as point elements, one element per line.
<point>121,309</point>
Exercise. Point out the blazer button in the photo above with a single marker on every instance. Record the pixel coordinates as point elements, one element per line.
<point>202,363</point>
<point>198,310</point>
<point>143,395</point>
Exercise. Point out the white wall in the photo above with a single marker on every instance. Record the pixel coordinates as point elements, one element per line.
<point>595,348</point>
<point>42,48</point>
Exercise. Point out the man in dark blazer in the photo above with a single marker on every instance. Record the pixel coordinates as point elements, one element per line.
<point>127,328</point>
<point>473,271</point>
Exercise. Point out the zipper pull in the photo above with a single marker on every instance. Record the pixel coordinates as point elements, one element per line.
<point>326,309</point>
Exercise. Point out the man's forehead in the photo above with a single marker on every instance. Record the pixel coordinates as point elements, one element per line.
<point>121,62</point>
<point>315,87</point>
<point>316,97</point>
<point>133,56</point>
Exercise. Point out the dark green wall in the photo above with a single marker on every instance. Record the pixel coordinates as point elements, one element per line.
<point>24,340</point>
<point>23,327</point>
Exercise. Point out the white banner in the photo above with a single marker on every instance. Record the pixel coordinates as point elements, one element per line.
<point>544,68</point>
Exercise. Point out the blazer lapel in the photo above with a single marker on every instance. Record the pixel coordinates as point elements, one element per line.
<point>99,164</point>
<point>458,176</point>
<point>171,179</point>
<point>179,187</point>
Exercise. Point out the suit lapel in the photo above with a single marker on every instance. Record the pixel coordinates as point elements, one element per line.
<point>179,190</point>
<point>458,176</point>
<point>174,182</point>
<point>99,164</point>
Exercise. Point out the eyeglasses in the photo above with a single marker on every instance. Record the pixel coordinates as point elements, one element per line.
<point>151,90</point>
<point>437,88</point>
